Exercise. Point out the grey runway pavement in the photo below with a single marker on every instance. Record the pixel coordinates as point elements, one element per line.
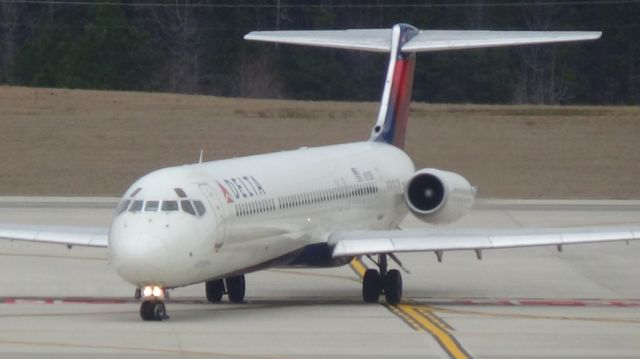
<point>526,303</point>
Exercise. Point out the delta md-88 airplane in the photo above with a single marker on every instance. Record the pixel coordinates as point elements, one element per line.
<point>312,207</point>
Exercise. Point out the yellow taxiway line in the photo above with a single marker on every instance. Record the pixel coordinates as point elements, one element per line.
<point>422,318</point>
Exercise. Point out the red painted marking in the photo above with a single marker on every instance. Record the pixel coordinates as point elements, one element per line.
<point>623,303</point>
<point>465,302</point>
<point>32,301</point>
<point>79,300</point>
<point>227,195</point>
<point>561,303</point>
<point>617,303</point>
<point>92,301</point>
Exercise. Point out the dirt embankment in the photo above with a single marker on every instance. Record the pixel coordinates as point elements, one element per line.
<point>71,142</point>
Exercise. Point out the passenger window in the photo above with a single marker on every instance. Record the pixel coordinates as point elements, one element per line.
<point>136,206</point>
<point>187,207</point>
<point>169,206</point>
<point>124,206</point>
<point>200,208</point>
<point>151,206</point>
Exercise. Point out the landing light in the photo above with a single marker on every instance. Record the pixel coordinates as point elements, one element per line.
<point>147,291</point>
<point>154,291</point>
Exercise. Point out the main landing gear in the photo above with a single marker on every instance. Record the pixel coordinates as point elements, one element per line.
<point>152,307</point>
<point>233,287</point>
<point>384,281</point>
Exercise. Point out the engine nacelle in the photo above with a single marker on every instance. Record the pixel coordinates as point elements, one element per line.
<point>437,196</point>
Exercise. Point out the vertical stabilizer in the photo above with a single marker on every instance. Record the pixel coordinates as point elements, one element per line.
<point>391,124</point>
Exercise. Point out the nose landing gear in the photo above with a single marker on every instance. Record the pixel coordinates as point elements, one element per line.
<point>377,282</point>
<point>152,307</point>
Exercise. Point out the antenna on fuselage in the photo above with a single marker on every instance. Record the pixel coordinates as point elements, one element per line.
<point>200,158</point>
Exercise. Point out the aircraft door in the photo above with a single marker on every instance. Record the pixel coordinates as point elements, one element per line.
<point>219,211</point>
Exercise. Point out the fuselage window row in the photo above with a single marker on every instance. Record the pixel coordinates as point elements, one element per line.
<point>305,198</point>
<point>253,207</point>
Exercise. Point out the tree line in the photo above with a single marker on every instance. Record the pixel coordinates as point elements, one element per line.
<point>196,46</point>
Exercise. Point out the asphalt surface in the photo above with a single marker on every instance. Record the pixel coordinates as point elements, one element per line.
<point>527,303</point>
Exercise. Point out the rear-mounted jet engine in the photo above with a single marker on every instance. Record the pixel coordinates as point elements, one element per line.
<point>436,196</point>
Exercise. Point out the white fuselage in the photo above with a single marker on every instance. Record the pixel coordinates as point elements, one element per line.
<point>258,209</point>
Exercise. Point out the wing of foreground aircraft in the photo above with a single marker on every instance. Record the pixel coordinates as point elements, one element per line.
<point>68,235</point>
<point>355,243</point>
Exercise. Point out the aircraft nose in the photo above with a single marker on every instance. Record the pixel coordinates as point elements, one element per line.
<point>138,257</point>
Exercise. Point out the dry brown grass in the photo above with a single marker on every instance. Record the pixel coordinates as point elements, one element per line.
<point>68,142</point>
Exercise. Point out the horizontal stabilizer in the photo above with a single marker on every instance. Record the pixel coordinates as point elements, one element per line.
<point>440,40</point>
<point>380,40</point>
<point>376,40</point>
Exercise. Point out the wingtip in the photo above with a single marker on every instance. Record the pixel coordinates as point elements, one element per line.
<point>251,35</point>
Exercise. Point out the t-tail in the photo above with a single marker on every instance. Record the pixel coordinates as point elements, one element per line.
<point>391,125</point>
<point>402,42</point>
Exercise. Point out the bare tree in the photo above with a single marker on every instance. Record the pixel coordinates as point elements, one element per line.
<point>257,77</point>
<point>539,80</point>
<point>177,28</point>
<point>8,31</point>
<point>634,74</point>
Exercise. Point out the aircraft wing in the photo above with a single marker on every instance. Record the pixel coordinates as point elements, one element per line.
<point>354,243</point>
<point>72,236</point>
<point>379,40</point>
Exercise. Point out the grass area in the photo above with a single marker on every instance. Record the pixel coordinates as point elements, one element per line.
<point>72,142</point>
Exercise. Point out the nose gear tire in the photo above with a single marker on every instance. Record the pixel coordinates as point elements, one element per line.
<point>153,310</point>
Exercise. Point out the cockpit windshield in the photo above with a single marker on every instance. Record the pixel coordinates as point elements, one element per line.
<point>151,206</point>
<point>193,207</point>
<point>200,208</point>
<point>136,206</point>
<point>169,206</point>
<point>187,207</point>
